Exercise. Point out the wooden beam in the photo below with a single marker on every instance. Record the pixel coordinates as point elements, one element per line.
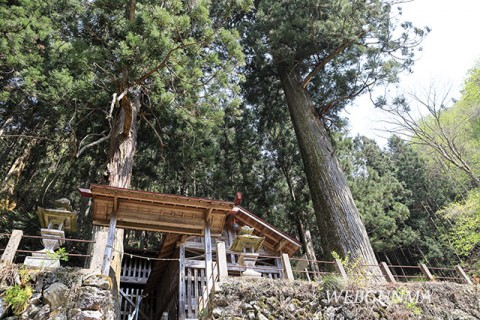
<point>98,249</point>
<point>426,272</point>
<point>133,280</point>
<point>156,219</point>
<point>279,264</point>
<point>144,227</point>
<point>208,213</point>
<point>160,198</point>
<point>115,201</point>
<point>287,267</point>
<point>183,238</point>
<point>181,285</point>
<point>127,298</point>
<point>340,269</point>
<point>12,246</point>
<point>222,261</point>
<point>109,246</point>
<point>208,261</point>
<point>135,205</point>
<point>463,275</point>
<point>280,245</point>
<point>196,264</point>
<point>387,273</point>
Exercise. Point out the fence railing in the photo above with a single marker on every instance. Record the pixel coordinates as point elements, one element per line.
<point>15,238</point>
<point>390,273</point>
<point>303,268</point>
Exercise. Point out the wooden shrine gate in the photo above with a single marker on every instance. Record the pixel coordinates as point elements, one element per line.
<point>134,275</point>
<point>195,281</point>
<point>176,286</point>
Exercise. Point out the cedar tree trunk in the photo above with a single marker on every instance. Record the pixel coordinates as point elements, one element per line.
<point>123,142</point>
<point>337,216</point>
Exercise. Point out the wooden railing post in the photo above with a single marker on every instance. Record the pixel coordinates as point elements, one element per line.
<point>12,246</point>
<point>463,275</point>
<point>426,272</point>
<point>109,247</point>
<point>340,269</point>
<point>387,273</point>
<point>98,250</point>
<point>287,267</point>
<point>222,261</point>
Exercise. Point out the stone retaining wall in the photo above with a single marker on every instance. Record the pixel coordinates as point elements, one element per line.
<point>62,294</point>
<point>267,299</point>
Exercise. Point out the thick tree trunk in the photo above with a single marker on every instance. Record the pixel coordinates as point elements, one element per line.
<point>9,183</point>
<point>120,163</point>
<point>123,144</point>
<point>337,216</point>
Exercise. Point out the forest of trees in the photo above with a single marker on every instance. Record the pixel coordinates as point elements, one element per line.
<point>205,99</point>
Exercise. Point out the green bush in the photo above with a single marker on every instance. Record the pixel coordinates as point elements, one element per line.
<point>17,297</point>
<point>333,283</point>
<point>464,216</point>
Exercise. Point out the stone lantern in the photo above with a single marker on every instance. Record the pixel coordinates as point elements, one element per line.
<point>54,223</point>
<point>248,245</point>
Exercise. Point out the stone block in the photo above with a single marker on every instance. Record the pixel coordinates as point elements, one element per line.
<point>100,281</point>
<point>56,295</point>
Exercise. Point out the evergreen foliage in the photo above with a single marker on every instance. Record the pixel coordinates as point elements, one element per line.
<point>214,117</point>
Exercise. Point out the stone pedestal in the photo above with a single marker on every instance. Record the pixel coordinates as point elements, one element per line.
<point>52,244</point>
<point>248,260</point>
<point>42,261</point>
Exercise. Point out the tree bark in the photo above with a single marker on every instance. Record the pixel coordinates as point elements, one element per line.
<point>337,216</point>
<point>122,149</point>
<point>9,183</point>
<point>123,143</point>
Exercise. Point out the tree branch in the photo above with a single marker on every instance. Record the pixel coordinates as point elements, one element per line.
<point>154,130</point>
<point>159,66</point>
<point>326,60</point>
<point>82,149</point>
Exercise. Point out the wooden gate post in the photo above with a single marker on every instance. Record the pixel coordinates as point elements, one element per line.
<point>208,262</point>
<point>222,261</point>
<point>98,250</point>
<point>110,239</point>
<point>182,298</point>
<point>12,246</point>
<point>287,267</point>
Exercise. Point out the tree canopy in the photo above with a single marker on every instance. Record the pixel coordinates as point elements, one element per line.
<point>209,98</point>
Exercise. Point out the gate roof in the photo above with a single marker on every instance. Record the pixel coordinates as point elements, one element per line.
<point>143,210</point>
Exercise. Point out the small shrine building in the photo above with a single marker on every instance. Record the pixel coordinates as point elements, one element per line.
<point>203,242</point>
